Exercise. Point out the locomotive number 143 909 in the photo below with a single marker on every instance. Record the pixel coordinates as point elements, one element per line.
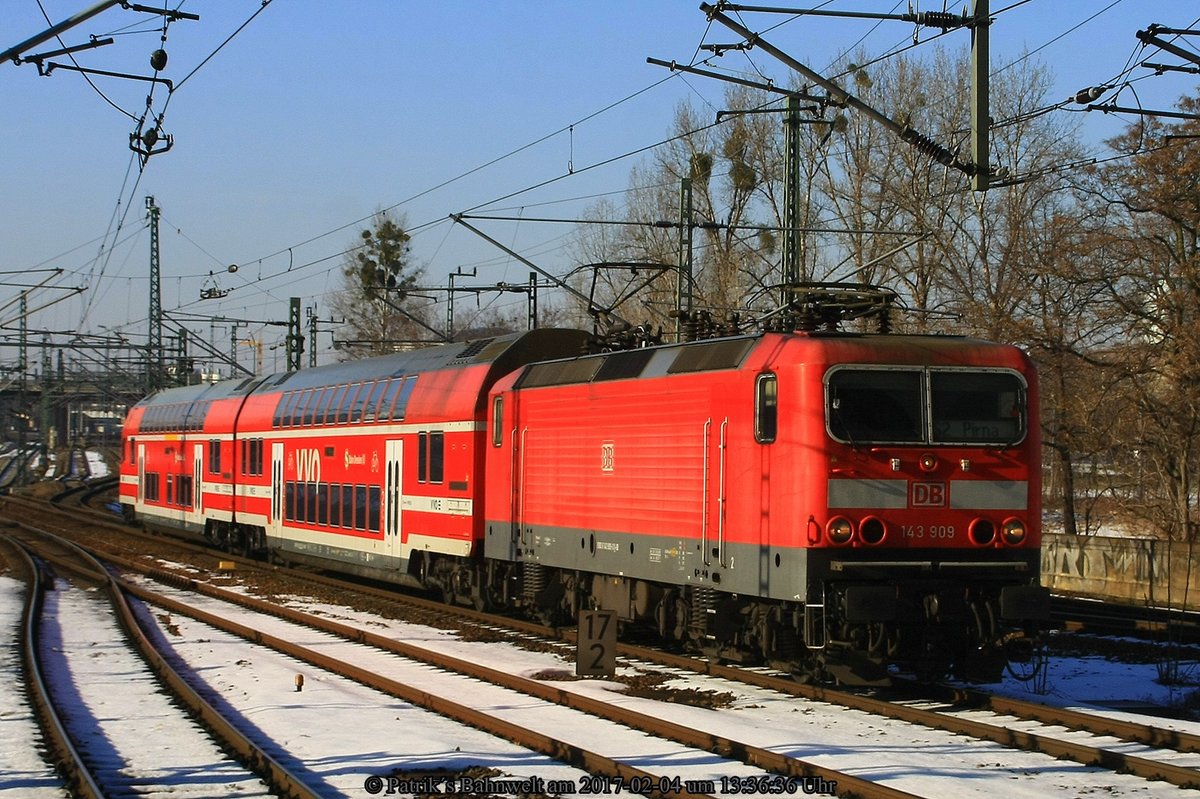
<point>937,532</point>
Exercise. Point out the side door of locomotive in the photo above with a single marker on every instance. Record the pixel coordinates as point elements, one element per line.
<point>393,495</point>
<point>714,491</point>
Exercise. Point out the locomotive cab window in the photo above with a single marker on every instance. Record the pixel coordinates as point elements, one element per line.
<point>876,405</point>
<point>925,406</point>
<point>497,421</point>
<point>766,408</point>
<point>975,407</point>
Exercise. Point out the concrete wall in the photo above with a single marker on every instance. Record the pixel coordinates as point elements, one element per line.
<point>1134,571</point>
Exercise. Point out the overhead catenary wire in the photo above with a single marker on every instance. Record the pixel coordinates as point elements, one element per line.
<point>126,202</point>
<point>335,255</point>
<point>484,165</point>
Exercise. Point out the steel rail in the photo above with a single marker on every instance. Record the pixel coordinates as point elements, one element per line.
<point>69,759</point>
<point>720,745</point>
<point>531,739</point>
<point>1076,720</point>
<point>957,697</point>
<point>254,757</point>
<point>1085,754</point>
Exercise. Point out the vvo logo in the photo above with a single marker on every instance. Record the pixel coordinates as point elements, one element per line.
<point>308,465</point>
<point>927,495</point>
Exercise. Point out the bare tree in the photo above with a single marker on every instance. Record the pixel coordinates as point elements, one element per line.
<point>735,168</point>
<point>1148,208</point>
<point>378,275</point>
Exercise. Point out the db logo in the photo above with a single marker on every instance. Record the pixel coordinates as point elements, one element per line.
<point>928,495</point>
<point>608,456</point>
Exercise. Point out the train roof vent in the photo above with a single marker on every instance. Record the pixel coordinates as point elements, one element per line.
<point>492,351</point>
<point>472,349</point>
<point>557,373</point>
<point>244,383</point>
<point>622,365</point>
<point>724,354</point>
<point>284,378</point>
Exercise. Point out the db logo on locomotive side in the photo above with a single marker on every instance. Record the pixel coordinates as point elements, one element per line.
<point>927,495</point>
<point>608,456</point>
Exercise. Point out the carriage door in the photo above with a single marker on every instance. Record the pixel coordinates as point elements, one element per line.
<point>197,478</point>
<point>275,523</point>
<point>141,467</point>
<point>394,458</point>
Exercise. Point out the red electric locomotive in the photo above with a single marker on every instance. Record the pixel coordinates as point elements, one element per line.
<point>832,503</point>
<point>829,502</point>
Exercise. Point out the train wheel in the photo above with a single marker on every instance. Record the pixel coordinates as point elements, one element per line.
<point>1026,658</point>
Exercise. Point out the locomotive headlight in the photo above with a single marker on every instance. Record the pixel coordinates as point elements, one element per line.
<point>982,532</point>
<point>872,530</point>
<point>839,530</point>
<point>1013,531</point>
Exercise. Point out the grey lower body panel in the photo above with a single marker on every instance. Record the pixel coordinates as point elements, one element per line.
<point>155,522</point>
<point>746,569</point>
<point>379,567</point>
<point>782,573</point>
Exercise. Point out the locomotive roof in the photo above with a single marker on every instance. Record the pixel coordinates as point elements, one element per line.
<point>731,352</point>
<point>504,352</point>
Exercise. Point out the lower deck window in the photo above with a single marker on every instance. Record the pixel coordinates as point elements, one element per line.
<point>360,507</point>
<point>345,506</point>
<point>150,486</point>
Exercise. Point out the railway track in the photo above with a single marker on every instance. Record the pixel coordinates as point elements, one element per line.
<point>71,683</point>
<point>766,768</point>
<point>960,715</point>
<point>1078,614</point>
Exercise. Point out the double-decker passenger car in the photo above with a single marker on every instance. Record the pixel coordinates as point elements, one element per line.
<point>833,503</point>
<point>374,465</point>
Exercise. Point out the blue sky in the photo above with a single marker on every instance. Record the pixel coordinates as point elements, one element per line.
<point>319,113</point>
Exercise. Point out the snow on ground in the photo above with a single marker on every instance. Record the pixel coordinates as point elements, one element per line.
<point>910,758</point>
<point>23,772</point>
<point>131,734</point>
<point>343,734</point>
<point>1095,683</point>
<point>97,467</point>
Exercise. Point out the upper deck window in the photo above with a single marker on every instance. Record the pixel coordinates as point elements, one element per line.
<point>368,400</point>
<point>925,406</point>
<point>333,402</point>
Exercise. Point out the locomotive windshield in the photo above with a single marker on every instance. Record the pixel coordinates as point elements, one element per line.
<point>925,406</point>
